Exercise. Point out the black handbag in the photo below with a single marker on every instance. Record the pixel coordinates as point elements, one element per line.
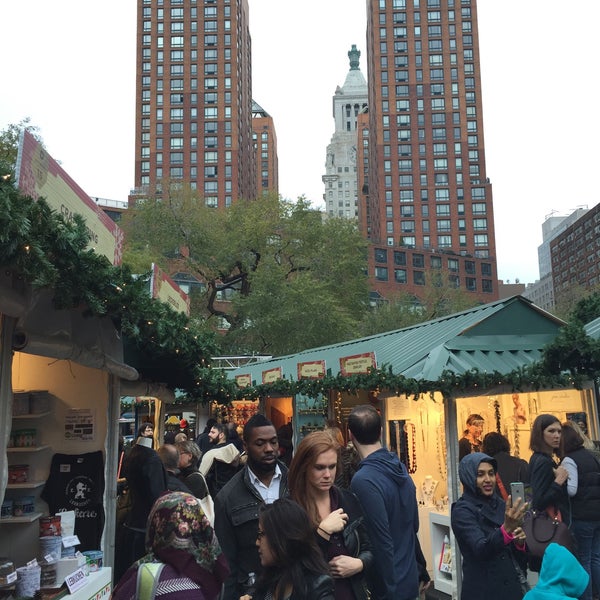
<point>542,529</point>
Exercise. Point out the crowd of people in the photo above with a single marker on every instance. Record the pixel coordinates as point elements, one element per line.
<point>340,521</point>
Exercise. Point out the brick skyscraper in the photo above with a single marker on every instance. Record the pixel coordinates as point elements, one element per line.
<point>428,204</point>
<point>194,99</point>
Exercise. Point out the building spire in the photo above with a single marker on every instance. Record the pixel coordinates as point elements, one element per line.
<point>354,56</point>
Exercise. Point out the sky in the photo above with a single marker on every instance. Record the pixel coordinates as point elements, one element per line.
<point>71,70</point>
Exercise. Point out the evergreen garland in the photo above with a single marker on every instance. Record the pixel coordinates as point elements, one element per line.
<point>40,248</point>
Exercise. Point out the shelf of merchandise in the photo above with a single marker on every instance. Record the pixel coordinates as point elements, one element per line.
<point>30,518</point>
<point>25,485</point>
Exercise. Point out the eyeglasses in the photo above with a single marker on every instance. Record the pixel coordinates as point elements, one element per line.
<point>260,534</point>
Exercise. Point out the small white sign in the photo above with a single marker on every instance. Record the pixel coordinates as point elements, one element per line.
<point>76,580</point>
<point>70,540</point>
<point>11,578</point>
<point>32,563</point>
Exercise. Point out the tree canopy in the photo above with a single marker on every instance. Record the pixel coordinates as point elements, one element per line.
<point>291,279</point>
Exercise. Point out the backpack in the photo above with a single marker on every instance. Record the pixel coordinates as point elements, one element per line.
<point>147,580</point>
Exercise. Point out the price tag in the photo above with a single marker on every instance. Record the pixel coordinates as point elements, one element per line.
<point>11,578</point>
<point>70,540</point>
<point>32,563</point>
<point>50,558</point>
<point>76,580</point>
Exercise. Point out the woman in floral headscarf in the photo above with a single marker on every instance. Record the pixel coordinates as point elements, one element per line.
<point>180,538</point>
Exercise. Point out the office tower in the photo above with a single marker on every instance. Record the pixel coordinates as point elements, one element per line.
<point>194,99</point>
<point>429,199</point>
<point>265,144</point>
<point>340,179</point>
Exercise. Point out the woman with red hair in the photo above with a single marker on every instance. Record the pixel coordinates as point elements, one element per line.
<point>335,514</point>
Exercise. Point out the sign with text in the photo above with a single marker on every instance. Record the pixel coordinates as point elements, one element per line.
<point>39,175</point>
<point>243,380</point>
<point>314,369</point>
<point>163,288</point>
<point>271,375</point>
<point>357,363</point>
<point>76,580</point>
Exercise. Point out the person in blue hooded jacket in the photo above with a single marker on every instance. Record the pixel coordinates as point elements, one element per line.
<point>561,577</point>
<point>489,534</point>
<point>388,497</point>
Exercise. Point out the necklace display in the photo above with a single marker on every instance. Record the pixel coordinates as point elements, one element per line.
<point>440,447</point>
<point>428,488</point>
<point>411,443</point>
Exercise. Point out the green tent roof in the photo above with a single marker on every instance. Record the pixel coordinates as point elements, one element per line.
<point>499,336</point>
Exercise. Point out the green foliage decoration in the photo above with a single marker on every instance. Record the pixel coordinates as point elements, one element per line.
<point>43,250</point>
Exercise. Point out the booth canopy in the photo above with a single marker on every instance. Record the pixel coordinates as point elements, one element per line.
<point>500,336</point>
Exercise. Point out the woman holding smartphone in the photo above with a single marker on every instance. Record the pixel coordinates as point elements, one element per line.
<point>489,534</point>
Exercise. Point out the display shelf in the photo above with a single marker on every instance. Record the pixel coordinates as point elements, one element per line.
<point>22,519</point>
<point>14,449</point>
<point>25,485</point>
<point>439,524</point>
<point>33,415</point>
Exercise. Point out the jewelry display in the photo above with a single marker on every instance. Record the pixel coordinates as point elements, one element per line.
<point>440,447</point>
<point>428,488</point>
<point>411,447</point>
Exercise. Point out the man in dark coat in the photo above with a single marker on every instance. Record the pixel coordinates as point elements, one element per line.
<point>262,480</point>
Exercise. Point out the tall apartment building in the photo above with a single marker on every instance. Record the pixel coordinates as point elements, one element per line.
<point>428,199</point>
<point>575,256</point>
<point>194,99</point>
<point>340,179</point>
<point>542,291</point>
<point>265,144</point>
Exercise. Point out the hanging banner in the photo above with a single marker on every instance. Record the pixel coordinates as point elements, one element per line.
<point>163,288</point>
<point>357,364</point>
<point>314,369</point>
<point>40,176</point>
<point>271,375</point>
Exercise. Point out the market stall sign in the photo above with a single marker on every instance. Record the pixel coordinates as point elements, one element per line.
<point>243,380</point>
<point>314,369</point>
<point>163,288</point>
<point>357,364</point>
<point>272,375</point>
<point>39,175</point>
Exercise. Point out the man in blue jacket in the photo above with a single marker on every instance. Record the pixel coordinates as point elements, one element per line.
<point>389,501</point>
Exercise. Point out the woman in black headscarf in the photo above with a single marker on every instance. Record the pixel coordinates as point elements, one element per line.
<point>489,534</point>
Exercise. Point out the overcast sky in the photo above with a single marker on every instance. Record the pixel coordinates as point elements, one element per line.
<point>71,69</point>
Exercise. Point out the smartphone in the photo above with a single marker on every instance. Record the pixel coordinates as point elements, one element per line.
<point>517,490</point>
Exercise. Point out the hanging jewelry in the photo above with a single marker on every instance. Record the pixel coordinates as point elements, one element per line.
<point>497,416</point>
<point>440,447</point>
<point>411,447</point>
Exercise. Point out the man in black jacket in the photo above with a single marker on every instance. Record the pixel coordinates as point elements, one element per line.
<point>262,480</point>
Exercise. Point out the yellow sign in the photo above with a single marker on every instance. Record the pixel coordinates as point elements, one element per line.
<point>358,363</point>
<point>243,380</point>
<point>271,375</point>
<point>167,291</point>
<point>314,369</point>
<point>40,176</point>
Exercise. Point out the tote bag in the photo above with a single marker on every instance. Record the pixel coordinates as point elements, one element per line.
<point>544,527</point>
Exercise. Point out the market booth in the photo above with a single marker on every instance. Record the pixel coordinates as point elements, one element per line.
<point>60,376</point>
<point>426,380</point>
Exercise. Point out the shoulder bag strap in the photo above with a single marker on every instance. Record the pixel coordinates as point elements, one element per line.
<point>147,580</point>
<point>501,487</point>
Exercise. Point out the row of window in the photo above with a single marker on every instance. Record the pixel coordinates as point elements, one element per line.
<point>441,210</point>
<point>442,225</point>
<point>176,12</point>
<point>480,240</point>
<point>435,262</point>
<point>179,26</point>
<point>179,55</point>
<point>419,278</point>
<point>210,83</point>
<point>383,4</point>
<point>178,41</point>
<point>177,69</point>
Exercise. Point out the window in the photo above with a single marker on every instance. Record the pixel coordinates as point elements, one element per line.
<point>380,255</point>
<point>418,277</point>
<point>486,269</point>
<point>418,261</point>
<point>479,208</point>
<point>453,265</point>
<point>471,284</point>
<point>381,273</point>
<point>470,267</point>
<point>479,224</point>
<point>400,275</point>
<point>481,239</point>
<point>444,225</point>
<point>399,258</point>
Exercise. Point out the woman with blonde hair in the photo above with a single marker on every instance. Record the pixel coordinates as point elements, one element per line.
<point>335,514</point>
